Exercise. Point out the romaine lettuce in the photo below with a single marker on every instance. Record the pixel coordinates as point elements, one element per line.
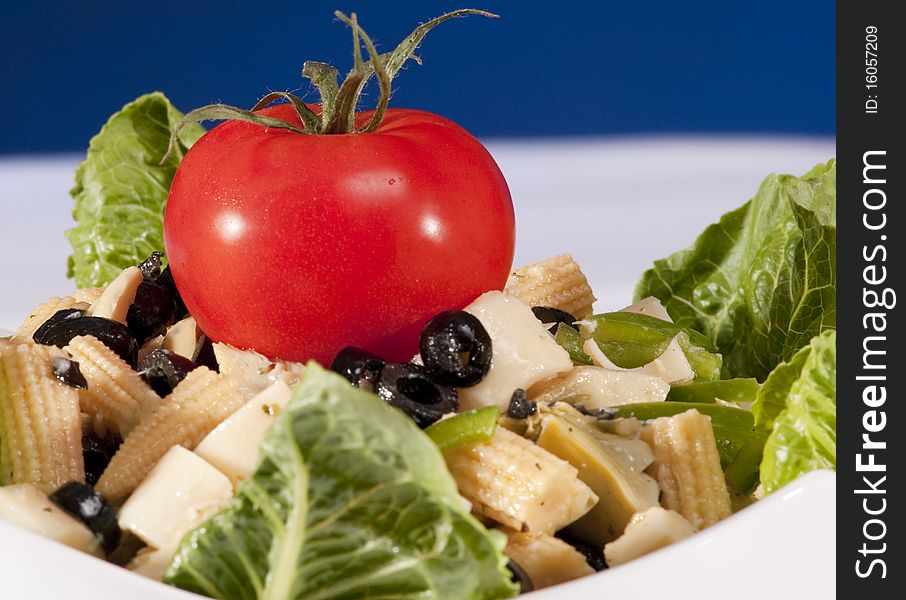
<point>349,500</point>
<point>121,189</point>
<point>804,436</point>
<point>761,282</point>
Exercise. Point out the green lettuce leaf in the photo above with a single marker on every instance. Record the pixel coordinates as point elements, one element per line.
<point>761,282</point>
<point>121,190</point>
<point>349,500</point>
<point>804,436</point>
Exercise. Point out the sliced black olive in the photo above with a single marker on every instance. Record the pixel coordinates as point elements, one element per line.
<point>112,334</point>
<point>204,354</point>
<point>549,314</point>
<point>68,372</point>
<point>163,370</point>
<point>86,505</point>
<point>57,318</point>
<point>151,312</point>
<point>456,348</point>
<point>519,576</point>
<point>97,454</point>
<point>594,555</point>
<point>166,280</point>
<point>150,267</point>
<point>409,387</point>
<point>360,367</point>
<point>520,406</point>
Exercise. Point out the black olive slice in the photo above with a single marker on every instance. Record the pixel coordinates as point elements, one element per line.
<point>112,334</point>
<point>151,312</point>
<point>150,267</point>
<point>97,454</point>
<point>204,354</point>
<point>456,348</point>
<point>549,314</point>
<point>520,406</point>
<point>360,367</point>
<point>166,281</point>
<point>57,318</point>
<point>163,370</point>
<point>594,555</point>
<point>89,507</point>
<point>519,576</point>
<point>409,387</point>
<point>68,372</point>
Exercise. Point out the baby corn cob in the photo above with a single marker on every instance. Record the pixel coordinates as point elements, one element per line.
<point>545,559</point>
<point>116,393</point>
<point>41,313</point>
<point>40,426</point>
<point>687,467</point>
<point>556,282</point>
<point>89,295</point>
<point>198,404</point>
<point>518,484</point>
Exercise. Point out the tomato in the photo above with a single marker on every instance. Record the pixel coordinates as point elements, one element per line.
<point>297,245</point>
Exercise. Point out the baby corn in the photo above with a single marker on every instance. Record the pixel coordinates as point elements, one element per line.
<point>116,394</point>
<point>198,404</point>
<point>687,467</point>
<point>42,313</point>
<point>40,425</point>
<point>556,282</point>
<point>518,484</point>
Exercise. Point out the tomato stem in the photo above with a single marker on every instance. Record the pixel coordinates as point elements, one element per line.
<point>339,102</point>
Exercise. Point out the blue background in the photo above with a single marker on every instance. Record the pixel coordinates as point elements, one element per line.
<point>543,69</point>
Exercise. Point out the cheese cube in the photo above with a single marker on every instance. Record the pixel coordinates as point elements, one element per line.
<point>232,446</point>
<point>524,353</point>
<point>28,507</point>
<point>179,493</point>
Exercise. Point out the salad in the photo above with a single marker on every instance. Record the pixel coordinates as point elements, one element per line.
<point>243,420</point>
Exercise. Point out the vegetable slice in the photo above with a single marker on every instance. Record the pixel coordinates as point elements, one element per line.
<point>476,425</point>
<point>349,500</point>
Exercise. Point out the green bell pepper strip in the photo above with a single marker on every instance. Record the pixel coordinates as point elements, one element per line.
<point>706,392</point>
<point>476,425</point>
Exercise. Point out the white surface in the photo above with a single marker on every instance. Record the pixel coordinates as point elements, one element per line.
<point>616,205</point>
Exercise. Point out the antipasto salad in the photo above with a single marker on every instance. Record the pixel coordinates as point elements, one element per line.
<point>270,383</point>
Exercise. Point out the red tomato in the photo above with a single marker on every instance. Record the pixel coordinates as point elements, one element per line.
<point>298,245</point>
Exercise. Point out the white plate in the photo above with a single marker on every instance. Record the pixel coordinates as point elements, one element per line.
<point>616,205</point>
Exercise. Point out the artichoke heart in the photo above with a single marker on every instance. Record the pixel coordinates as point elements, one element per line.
<point>612,466</point>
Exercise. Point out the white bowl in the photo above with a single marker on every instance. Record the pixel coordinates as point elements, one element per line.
<point>616,205</point>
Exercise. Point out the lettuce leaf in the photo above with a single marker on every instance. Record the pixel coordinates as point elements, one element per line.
<point>761,282</point>
<point>349,500</point>
<point>800,399</point>
<point>121,190</point>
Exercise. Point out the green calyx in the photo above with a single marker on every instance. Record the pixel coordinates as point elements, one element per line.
<point>338,100</point>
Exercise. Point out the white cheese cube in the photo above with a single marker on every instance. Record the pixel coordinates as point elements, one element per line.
<point>179,493</point>
<point>524,353</point>
<point>28,507</point>
<point>232,446</point>
<point>649,530</point>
